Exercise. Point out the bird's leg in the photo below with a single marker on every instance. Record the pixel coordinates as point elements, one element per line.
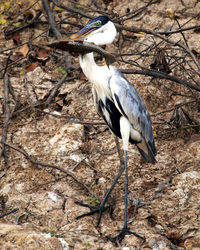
<point>125,129</point>
<point>119,151</point>
<point>125,229</point>
<point>101,208</point>
<point>126,190</point>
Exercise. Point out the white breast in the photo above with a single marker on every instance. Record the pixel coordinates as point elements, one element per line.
<point>98,75</point>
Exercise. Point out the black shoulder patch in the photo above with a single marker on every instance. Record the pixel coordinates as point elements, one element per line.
<point>101,107</point>
<point>114,115</point>
<point>119,104</point>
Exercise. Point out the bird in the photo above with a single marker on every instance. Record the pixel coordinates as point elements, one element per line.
<point>118,103</point>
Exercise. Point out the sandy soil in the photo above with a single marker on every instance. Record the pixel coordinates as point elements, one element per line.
<point>44,196</point>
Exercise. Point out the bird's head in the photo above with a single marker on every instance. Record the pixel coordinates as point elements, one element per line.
<point>100,31</point>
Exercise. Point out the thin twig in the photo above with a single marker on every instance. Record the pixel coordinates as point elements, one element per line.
<point>8,112</point>
<point>56,32</point>
<point>51,20</point>
<point>6,118</point>
<point>74,119</point>
<point>55,89</point>
<point>36,162</point>
<point>72,10</point>
<point>169,110</point>
<point>179,30</point>
<point>166,39</point>
<point>10,212</point>
<point>161,75</point>
<point>18,29</point>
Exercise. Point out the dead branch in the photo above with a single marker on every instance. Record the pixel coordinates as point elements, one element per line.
<point>18,29</point>
<point>179,30</point>
<point>55,89</point>
<point>72,10</point>
<point>10,212</point>
<point>6,118</point>
<point>137,30</point>
<point>56,32</point>
<point>46,165</point>
<point>51,20</point>
<point>73,119</point>
<point>162,75</point>
<point>163,38</point>
<point>8,113</point>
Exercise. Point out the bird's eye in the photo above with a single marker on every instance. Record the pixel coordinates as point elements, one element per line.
<point>98,23</point>
<point>95,24</point>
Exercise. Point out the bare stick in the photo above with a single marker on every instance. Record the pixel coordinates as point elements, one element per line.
<point>160,74</point>
<point>6,118</point>
<point>55,89</point>
<point>18,29</point>
<point>156,34</point>
<point>36,162</point>
<point>51,20</point>
<point>56,32</point>
<point>10,212</point>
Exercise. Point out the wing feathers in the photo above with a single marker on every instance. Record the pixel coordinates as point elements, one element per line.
<point>130,105</point>
<point>147,151</point>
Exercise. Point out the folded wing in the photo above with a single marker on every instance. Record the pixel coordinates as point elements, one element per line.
<point>130,105</point>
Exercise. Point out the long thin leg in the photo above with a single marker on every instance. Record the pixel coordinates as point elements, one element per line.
<point>126,189</point>
<point>119,151</point>
<point>121,169</point>
<point>101,208</point>
<point>125,229</point>
<point>125,129</point>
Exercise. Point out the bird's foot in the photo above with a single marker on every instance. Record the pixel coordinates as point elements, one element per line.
<point>125,231</point>
<point>93,209</point>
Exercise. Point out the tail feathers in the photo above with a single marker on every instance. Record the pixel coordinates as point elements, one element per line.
<point>147,151</point>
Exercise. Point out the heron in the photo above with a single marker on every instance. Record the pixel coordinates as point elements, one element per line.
<point>119,104</point>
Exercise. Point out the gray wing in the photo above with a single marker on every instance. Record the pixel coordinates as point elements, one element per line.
<point>130,104</point>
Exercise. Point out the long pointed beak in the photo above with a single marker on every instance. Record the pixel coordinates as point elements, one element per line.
<point>82,33</point>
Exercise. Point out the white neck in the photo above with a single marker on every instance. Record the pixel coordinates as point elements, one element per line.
<point>88,64</point>
<point>97,75</point>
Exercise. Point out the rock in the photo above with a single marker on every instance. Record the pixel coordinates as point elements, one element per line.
<point>23,237</point>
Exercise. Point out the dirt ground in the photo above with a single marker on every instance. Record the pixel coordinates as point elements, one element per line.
<point>71,136</point>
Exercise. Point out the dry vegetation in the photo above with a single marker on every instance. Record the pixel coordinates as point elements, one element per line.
<point>56,150</point>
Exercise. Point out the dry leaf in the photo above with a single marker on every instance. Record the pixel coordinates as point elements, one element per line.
<point>4,6</point>
<point>20,3</point>
<point>18,24</point>
<point>2,21</point>
<point>58,9</point>
<point>196,52</point>
<point>7,5</point>
<point>167,117</point>
<point>14,57</point>
<point>16,38</point>
<point>32,66</point>
<point>170,12</point>
<point>59,102</point>
<point>141,34</point>
<point>154,133</point>
<point>24,49</point>
<point>42,54</point>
